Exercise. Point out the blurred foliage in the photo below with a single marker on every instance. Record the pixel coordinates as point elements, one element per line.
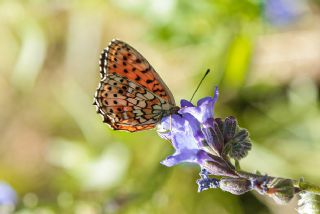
<point>59,157</point>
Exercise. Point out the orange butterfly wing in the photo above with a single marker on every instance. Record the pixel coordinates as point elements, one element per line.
<point>131,95</point>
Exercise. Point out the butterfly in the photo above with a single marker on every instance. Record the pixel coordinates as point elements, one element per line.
<point>131,96</point>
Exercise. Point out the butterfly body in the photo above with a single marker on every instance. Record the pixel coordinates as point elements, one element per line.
<point>131,96</point>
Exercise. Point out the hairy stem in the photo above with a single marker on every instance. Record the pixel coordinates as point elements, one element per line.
<point>299,184</point>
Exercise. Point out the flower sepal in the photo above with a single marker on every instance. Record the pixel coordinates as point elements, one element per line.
<point>219,167</point>
<point>237,142</point>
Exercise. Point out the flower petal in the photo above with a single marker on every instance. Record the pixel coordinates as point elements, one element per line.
<point>185,103</point>
<point>184,131</point>
<point>190,156</point>
<point>204,110</point>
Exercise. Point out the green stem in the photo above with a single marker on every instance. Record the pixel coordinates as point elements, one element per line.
<point>305,186</point>
<point>299,184</point>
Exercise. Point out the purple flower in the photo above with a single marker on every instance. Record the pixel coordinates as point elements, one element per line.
<point>185,136</point>
<point>196,137</point>
<point>282,12</point>
<point>203,112</point>
<point>7,194</point>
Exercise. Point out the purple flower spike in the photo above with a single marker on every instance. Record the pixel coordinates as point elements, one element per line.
<point>211,143</point>
<point>196,137</point>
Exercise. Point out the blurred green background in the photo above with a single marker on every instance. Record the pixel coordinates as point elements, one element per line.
<point>59,156</point>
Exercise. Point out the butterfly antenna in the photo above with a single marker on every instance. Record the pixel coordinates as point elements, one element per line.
<point>207,72</point>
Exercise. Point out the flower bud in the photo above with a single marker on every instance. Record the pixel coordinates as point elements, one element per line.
<point>236,186</point>
<point>281,190</point>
